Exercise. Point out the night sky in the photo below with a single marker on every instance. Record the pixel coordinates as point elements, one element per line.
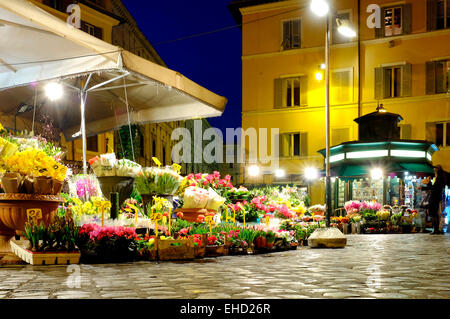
<point>213,60</point>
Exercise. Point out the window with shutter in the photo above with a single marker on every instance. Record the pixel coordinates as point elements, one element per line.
<point>291,34</point>
<point>290,92</point>
<point>396,20</point>
<point>395,81</point>
<point>293,144</point>
<point>439,133</point>
<point>341,86</point>
<point>437,77</point>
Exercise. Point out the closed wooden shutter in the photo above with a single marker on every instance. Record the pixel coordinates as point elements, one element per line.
<point>431,77</point>
<point>285,145</point>
<point>440,75</point>
<point>379,32</point>
<point>379,86</point>
<point>286,35</point>
<point>430,129</point>
<point>303,90</point>
<point>296,34</point>
<point>405,131</point>
<point>278,93</point>
<point>431,15</point>
<point>407,18</point>
<point>304,144</point>
<point>407,80</point>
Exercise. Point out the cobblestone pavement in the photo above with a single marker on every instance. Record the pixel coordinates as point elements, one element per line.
<point>371,266</point>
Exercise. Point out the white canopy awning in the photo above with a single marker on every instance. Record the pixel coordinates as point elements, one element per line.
<point>37,47</point>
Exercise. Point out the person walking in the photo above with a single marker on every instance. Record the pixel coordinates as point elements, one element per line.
<point>437,195</point>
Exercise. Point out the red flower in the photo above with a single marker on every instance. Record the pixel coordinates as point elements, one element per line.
<point>180,215</point>
<point>200,218</point>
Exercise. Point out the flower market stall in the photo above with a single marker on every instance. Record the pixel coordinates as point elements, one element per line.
<point>182,218</point>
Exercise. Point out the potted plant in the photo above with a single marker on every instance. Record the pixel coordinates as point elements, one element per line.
<point>270,239</point>
<point>147,247</point>
<point>215,245</point>
<point>260,241</point>
<point>107,244</point>
<point>53,244</point>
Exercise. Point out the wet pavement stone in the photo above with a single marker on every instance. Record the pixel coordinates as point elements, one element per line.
<point>371,266</point>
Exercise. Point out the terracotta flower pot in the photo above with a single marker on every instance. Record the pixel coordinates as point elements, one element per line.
<point>57,186</point>
<point>43,185</point>
<point>11,182</point>
<point>28,185</point>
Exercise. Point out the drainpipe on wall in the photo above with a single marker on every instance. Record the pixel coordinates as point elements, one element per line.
<point>359,59</point>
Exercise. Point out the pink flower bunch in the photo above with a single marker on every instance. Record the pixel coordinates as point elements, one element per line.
<point>233,233</point>
<point>97,232</point>
<point>283,211</point>
<point>374,206</point>
<point>86,188</point>
<point>259,201</point>
<point>184,231</point>
<point>209,180</point>
<point>352,206</point>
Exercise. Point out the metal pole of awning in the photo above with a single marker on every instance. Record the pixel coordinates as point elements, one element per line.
<point>83,97</point>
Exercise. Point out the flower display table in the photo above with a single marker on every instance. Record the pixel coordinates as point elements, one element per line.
<point>14,207</point>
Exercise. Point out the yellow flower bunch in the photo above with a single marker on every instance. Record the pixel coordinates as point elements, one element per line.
<point>34,162</point>
<point>300,209</point>
<point>87,208</point>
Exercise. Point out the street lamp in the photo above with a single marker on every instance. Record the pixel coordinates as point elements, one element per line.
<point>376,173</point>
<point>253,171</point>
<point>280,173</point>
<point>54,91</point>
<point>322,9</point>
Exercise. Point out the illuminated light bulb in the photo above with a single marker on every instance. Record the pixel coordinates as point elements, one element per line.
<point>320,7</point>
<point>54,91</point>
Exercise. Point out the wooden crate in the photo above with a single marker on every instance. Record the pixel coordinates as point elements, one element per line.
<point>216,251</point>
<point>37,258</point>
<point>176,249</point>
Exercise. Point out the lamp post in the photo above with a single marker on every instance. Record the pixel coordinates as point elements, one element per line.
<point>322,9</point>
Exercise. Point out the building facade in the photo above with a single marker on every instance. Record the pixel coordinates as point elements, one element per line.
<point>403,65</point>
<point>110,21</point>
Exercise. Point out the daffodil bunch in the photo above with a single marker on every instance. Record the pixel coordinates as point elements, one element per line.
<point>87,208</point>
<point>34,162</point>
<point>300,209</point>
